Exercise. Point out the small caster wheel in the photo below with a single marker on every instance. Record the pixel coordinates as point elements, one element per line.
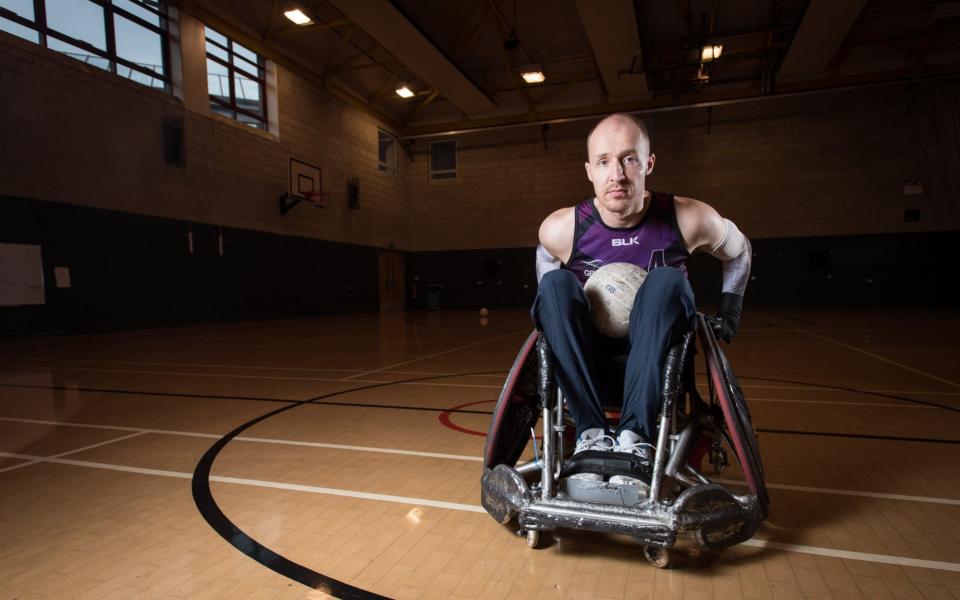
<point>657,556</point>
<point>533,538</point>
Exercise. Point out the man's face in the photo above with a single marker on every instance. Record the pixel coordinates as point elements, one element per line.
<point>618,163</point>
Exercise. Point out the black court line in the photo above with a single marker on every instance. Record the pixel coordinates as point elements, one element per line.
<point>210,511</point>
<point>259,399</point>
<point>807,386</point>
<point>864,436</point>
<point>319,402</point>
<point>142,393</point>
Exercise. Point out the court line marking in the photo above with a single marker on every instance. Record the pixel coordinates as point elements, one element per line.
<point>758,543</point>
<point>840,492</point>
<point>882,359</point>
<point>486,386</point>
<point>69,452</point>
<point>803,387</point>
<point>270,377</point>
<point>782,486</point>
<point>457,349</point>
<point>260,440</point>
<point>902,561</point>
<point>842,403</point>
<point>312,489</point>
<point>814,387</point>
<point>217,366</point>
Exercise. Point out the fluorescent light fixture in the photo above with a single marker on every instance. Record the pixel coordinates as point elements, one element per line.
<point>533,76</point>
<point>711,52</point>
<point>404,92</point>
<point>297,16</point>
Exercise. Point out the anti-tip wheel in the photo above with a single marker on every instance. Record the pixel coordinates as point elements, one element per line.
<point>657,556</point>
<point>533,538</point>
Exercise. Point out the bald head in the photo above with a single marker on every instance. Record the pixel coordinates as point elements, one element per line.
<point>618,120</point>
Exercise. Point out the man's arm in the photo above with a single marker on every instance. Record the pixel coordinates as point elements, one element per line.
<point>546,262</point>
<point>556,241</point>
<point>705,230</point>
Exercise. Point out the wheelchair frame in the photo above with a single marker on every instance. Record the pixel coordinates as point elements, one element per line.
<point>681,499</point>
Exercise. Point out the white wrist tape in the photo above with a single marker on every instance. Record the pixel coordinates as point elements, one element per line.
<point>545,262</point>
<point>735,252</point>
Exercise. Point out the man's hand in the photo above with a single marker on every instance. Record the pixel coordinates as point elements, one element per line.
<point>727,320</point>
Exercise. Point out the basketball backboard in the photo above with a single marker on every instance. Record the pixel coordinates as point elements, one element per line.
<point>304,184</point>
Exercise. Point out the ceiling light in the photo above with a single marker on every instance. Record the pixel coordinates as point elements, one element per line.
<point>533,76</point>
<point>711,52</point>
<point>297,16</point>
<point>404,92</point>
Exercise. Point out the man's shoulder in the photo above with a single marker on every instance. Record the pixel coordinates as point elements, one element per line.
<point>562,216</point>
<point>556,232</point>
<point>690,207</point>
<point>698,222</point>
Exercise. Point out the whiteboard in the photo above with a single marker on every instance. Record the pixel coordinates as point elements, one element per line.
<point>21,275</point>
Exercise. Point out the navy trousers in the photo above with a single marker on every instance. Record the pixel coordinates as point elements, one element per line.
<point>664,305</point>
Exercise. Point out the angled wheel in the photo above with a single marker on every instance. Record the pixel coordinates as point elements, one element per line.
<point>736,414</point>
<point>517,409</point>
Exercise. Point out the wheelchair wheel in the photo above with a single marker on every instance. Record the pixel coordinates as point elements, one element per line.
<point>739,427</point>
<point>533,538</point>
<point>657,556</point>
<point>517,409</point>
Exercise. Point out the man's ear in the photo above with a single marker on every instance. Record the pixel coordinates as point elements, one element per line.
<point>586,166</point>
<point>650,160</point>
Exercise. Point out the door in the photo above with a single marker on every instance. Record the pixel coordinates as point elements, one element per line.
<point>392,280</point>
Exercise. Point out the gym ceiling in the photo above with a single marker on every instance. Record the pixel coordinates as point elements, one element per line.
<point>463,59</point>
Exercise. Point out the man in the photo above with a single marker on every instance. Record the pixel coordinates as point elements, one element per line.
<point>626,222</point>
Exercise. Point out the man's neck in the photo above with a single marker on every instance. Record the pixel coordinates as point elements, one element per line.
<point>629,218</point>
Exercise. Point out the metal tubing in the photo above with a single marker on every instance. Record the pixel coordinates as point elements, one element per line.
<point>659,462</point>
<point>558,428</point>
<point>546,482</point>
<point>679,451</point>
<point>590,512</point>
<point>527,467</point>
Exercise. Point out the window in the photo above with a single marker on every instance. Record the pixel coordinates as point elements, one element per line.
<point>126,37</point>
<point>235,80</point>
<point>443,160</point>
<point>387,152</point>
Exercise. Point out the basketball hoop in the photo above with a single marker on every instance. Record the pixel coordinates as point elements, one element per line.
<point>286,202</point>
<point>314,198</point>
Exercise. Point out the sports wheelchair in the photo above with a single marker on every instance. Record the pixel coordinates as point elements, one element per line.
<point>541,493</point>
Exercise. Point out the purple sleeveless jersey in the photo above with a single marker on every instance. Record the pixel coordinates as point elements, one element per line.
<point>654,242</point>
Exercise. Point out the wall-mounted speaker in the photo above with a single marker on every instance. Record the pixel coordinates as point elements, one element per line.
<point>353,192</point>
<point>174,147</point>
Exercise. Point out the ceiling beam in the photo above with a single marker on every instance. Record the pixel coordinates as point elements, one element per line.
<point>612,32</point>
<point>381,20</point>
<point>824,27</point>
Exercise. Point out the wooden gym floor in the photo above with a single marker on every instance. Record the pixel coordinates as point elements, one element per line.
<point>116,480</point>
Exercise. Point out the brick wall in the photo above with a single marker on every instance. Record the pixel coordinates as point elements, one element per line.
<point>818,165</point>
<point>75,134</point>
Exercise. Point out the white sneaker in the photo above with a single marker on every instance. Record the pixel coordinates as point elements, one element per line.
<point>593,439</point>
<point>632,443</point>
